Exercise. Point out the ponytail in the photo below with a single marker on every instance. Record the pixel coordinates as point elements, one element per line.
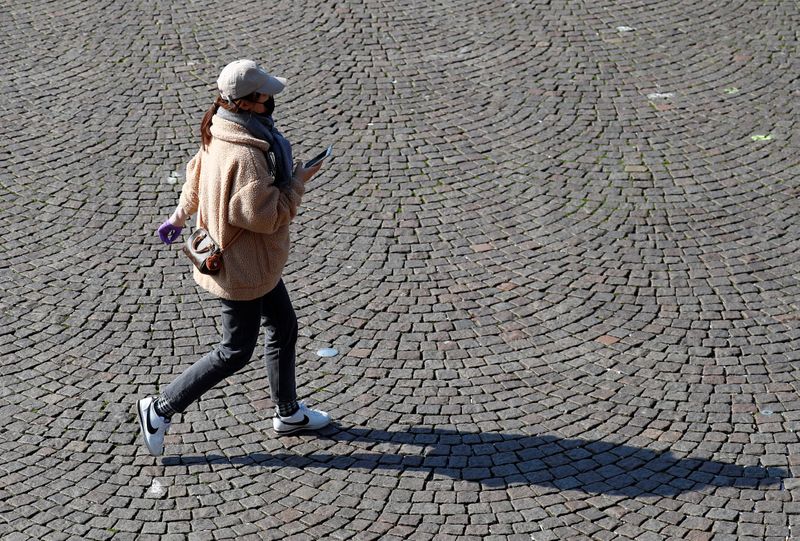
<point>233,106</point>
<point>205,124</point>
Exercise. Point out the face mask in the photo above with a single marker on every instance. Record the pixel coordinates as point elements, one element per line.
<point>270,106</point>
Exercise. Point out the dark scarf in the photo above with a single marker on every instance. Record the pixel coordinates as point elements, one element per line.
<point>263,127</point>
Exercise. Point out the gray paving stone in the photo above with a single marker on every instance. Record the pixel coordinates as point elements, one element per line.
<point>557,250</point>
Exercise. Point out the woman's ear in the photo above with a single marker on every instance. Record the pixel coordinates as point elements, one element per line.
<point>244,105</point>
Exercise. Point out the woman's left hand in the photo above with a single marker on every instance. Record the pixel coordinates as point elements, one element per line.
<point>168,232</point>
<point>171,229</point>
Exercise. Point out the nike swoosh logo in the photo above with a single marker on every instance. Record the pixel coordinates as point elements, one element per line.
<point>150,428</point>
<point>298,423</point>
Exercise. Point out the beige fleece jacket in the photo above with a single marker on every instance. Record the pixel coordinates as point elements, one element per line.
<point>231,186</point>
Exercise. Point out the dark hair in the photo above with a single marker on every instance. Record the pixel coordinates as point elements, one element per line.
<point>232,106</point>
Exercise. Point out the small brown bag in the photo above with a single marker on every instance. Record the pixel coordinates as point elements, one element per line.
<point>203,251</point>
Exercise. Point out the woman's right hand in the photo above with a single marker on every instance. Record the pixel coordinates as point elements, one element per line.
<point>304,174</point>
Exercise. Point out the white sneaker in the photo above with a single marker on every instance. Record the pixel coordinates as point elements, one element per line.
<point>153,426</point>
<point>303,419</point>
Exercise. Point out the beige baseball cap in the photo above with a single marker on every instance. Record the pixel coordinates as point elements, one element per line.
<point>243,77</point>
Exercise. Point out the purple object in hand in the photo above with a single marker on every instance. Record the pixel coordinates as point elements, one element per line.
<point>168,232</point>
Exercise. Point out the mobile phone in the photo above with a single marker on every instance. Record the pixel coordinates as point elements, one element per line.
<point>319,157</point>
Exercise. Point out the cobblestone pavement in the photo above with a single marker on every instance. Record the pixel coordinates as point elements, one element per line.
<point>557,252</point>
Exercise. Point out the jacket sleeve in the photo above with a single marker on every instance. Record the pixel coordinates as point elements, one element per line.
<point>258,205</point>
<point>190,193</point>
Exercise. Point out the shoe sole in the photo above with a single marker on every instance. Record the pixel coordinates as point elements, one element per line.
<point>143,427</point>
<point>299,429</point>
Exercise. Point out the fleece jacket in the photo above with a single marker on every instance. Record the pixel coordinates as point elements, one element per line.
<point>230,184</point>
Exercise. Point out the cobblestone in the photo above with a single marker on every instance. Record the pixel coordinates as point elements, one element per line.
<point>556,250</point>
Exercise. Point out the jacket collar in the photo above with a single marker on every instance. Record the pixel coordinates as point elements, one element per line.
<point>234,133</point>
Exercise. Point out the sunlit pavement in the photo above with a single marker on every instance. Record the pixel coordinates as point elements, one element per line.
<point>556,252</point>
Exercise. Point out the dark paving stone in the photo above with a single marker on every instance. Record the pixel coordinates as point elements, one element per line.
<point>557,250</point>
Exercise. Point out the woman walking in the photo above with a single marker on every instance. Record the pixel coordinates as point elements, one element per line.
<point>247,192</point>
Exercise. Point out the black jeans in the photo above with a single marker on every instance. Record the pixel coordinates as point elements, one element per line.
<point>241,321</point>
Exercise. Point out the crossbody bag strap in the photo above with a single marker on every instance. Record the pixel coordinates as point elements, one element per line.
<point>235,237</point>
<point>199,219</point>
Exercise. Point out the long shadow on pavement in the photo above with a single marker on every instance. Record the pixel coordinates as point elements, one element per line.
<point>502,460</point>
